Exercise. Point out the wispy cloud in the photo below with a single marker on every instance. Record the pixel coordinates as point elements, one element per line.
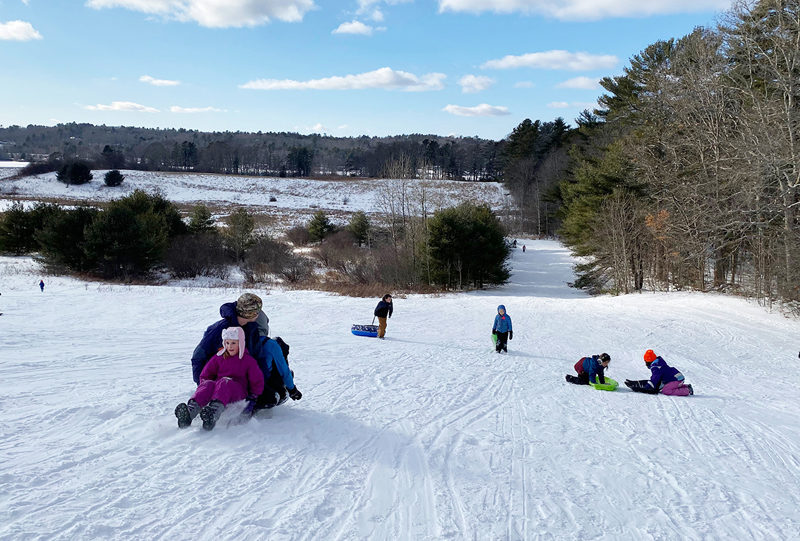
<point>123,106</point>
<point>554,60</point>
<point>524,84</point>
<point>179,109</point>
<point>158,82</point>
<point>586,83</point>
<point>475,83</point>
<point>574,104</point>
<point>18,31</point>
<point>484,109</point>
<point>216,13</point>
<point>356,27</point>
<point>584,10</point>
<point>384,78</point>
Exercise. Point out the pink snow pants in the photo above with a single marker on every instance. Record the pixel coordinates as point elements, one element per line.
<point>225,390</point>
<point>675,388</point>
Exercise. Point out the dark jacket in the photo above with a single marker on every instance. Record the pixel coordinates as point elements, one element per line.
<point>212,340</point>
<point>384,309</point>
<point>593,367</point>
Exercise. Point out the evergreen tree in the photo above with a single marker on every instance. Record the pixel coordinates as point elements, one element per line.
<point>75,172</point>
<point>113,178</point>
<point>468,247</point>
<point>359,226</point>
<point>201,220</point>
<point>239,234</point>
<point>320,226</point>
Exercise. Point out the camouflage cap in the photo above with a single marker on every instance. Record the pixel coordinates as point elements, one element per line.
<point>248,305</point>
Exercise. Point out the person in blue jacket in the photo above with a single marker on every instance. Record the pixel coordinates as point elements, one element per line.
<point>590,369</point>
<point>244,313</point>
<point>502,329</point>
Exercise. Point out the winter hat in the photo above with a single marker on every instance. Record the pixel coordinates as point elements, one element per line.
<point>649,356</point>
<point>248,305</point>
<point>233,333</point>
<point>605,358</point>
<point>501,307</point>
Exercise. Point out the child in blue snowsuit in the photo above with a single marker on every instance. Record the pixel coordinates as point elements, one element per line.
<point>502,329</point>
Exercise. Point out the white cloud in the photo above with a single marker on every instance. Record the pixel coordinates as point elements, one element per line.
<point>216,13</point>
<point>18,31</point>
<point>586,83</point>
<point>179,109</point>
<point>385,78</point>
<point>376,15</point>
<point>342,127</point>
<point>484,109</point>
<point>475,83</point>
<point>575,104</point>
<point>123,106</point>
<point>354,27</point>
<point>318,128</point>
<point>524,84</point>
<point>158,82</point>
<point>584,10</point>
<point>554,60</point>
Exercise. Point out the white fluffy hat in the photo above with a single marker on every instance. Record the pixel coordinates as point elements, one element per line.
<point>233,333</point>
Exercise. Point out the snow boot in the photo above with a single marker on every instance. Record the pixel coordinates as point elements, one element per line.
<point>210,414</point>
<point>691,390</point>
<point>186,413</point>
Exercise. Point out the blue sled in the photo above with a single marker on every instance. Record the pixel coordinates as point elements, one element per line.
<point>365,330</point>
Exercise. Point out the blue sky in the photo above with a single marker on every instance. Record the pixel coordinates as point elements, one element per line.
<point>345,68</point>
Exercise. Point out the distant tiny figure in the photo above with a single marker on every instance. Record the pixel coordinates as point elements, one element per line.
<point>41,285</point>
<point>515,243</point>
<point>523,248</point>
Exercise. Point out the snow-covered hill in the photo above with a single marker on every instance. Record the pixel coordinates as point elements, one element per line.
<point>427,435</point>
<point>290,194</point>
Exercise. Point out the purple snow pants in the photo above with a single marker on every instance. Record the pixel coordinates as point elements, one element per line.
<point>225,390</point>
<point>675,388</point>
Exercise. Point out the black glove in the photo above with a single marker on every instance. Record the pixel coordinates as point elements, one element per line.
<point>510,335</point>
<point>295,394</point>
<point>494,333</point>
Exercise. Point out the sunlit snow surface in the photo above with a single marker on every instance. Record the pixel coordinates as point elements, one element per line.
<point>427,435</point>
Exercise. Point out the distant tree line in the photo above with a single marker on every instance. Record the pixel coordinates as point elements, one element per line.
<point>688,176</point>
<point>244,153</point>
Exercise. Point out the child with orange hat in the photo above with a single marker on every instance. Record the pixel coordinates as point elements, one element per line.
<point>665,379</point>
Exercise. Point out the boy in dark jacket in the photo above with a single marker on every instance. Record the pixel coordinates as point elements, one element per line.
<point>665,379</point>
<point>590,369</point>
<point>383,311</point>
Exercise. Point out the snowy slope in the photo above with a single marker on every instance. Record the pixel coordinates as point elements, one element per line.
<point>427,435</point>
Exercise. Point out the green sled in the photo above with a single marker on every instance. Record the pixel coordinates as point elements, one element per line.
<point>494,339</point>
<point>609,385</point>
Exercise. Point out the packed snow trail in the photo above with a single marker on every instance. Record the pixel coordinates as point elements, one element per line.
<point>429,434</point>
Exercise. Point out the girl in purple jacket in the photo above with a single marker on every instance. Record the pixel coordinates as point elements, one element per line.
<point>229,376</point>
<point>665,379</point>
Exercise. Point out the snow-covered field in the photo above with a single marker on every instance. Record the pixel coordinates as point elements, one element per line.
<point>253,192</point>
<point>427,435</point>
